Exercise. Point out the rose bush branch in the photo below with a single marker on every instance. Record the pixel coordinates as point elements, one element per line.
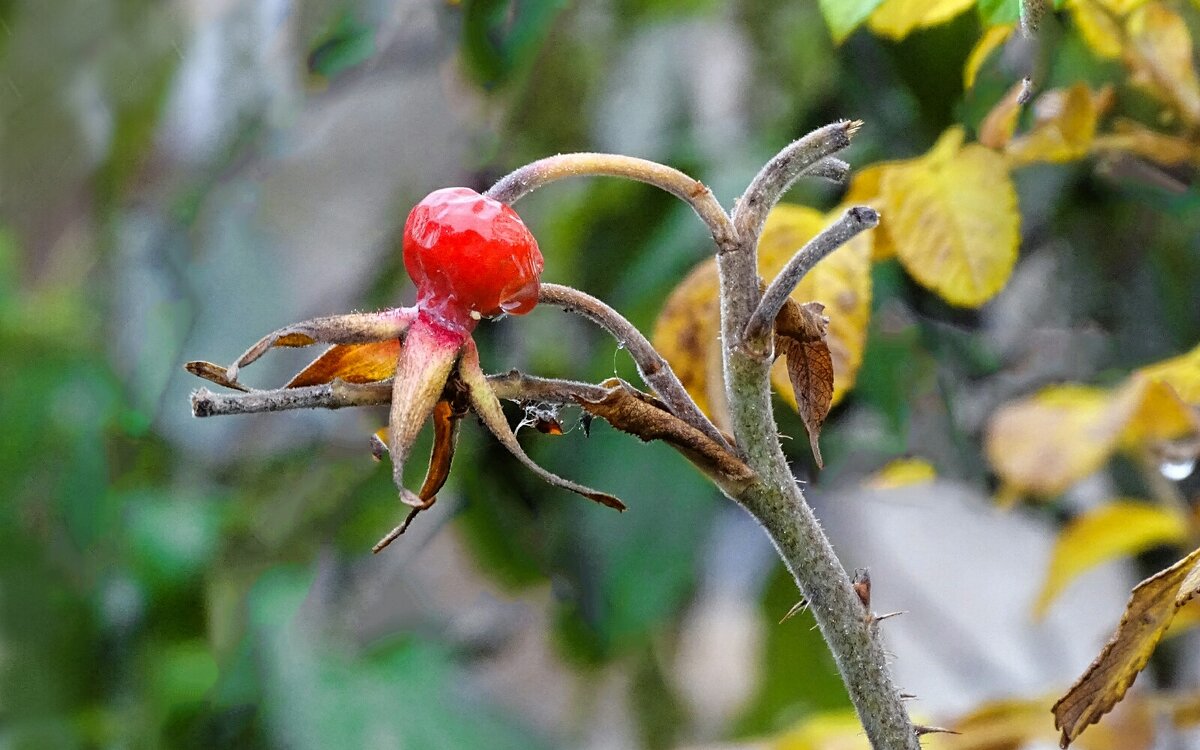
<point>773,497</point>
<point>774,179</point>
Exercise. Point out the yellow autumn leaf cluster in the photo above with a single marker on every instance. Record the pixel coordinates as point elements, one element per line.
<point>1043,444</point>
<point>949,216</point>
<point>1152,41</point>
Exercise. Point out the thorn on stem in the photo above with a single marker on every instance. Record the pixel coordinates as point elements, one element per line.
<point>796,609</point>
<point>862,586</point>
<point>923,730</point>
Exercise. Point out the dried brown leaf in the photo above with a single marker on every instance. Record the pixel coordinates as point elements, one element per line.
<point>801,338</point>
<point>630,410</point>
<point>1148,613</point>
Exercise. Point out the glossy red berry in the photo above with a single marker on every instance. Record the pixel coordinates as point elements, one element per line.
<point>471,257</point>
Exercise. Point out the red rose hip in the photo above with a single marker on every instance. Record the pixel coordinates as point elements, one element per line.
<point>471,257</point>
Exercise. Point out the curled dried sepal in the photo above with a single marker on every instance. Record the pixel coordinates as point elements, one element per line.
<point>485,404</point>
<point>637,413</point>
<point>425,363</point>
<point>355,328</point>
<point>447,415</point>
<point>213,373</point>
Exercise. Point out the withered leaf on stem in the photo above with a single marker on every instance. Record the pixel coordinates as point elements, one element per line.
<point>800,332</point>
<point>1149,612</point>
<point>630,410</point>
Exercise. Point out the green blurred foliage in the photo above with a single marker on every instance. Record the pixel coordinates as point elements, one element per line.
<point>157,595</point>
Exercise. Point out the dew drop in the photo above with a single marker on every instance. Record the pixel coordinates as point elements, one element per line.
<point>1178,470</point>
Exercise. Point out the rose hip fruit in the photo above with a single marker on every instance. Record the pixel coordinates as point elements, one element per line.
<point>471,257</point>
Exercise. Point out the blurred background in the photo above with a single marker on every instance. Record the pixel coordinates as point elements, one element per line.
<point>179,177</point>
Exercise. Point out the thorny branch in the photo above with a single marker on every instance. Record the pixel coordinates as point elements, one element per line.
<point>773,497</point>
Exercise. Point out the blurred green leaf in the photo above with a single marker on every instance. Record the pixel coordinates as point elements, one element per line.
<point>502,37</point>
<point>844,16</point>
<point>321,693</point>
<point>347,44</point>
<point>170,539</point>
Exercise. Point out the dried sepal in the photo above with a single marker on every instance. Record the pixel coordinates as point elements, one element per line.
<point>425,363</point>
<point>800,337</point>
<point>351,363</point>
<point>487,407</point>
<point>213,373</point>
<point>355,328</point>
<point>630,410</point>
<point>447,415</point>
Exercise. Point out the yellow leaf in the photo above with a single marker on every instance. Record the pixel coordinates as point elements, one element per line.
<point>1160,56</point>
<point>1134,138</point>
<point>987,44</point>
<point>998,126</point>
<point>952,215</point>
<point>832,730</point>
<point>903,472</point>
<point>841,282</point>
<point>1044,444</point>
<point>688,335</point>
<point>1097,28</point>
<point>1065,123</point>
<point>1182,372</point>
<point>1007,724</point>
<point>1148,613</point>
<point>896,19</point>
<point>1116,530</point>
<point>1156,413</point>
<point>1121,7</point>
